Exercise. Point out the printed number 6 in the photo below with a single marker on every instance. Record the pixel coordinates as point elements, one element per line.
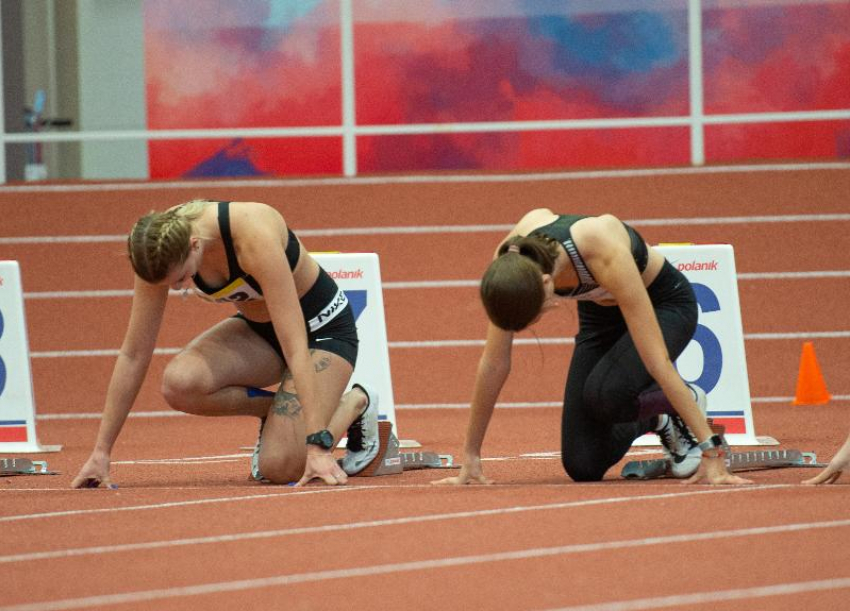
<point>712,353</point>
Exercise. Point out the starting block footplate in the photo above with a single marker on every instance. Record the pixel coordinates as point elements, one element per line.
<point>736,462</point>
<point>390,461</point>
<point>24,466</point>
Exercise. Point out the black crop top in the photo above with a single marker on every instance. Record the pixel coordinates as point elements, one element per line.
<point>588,288</point>
<point>240,286</point>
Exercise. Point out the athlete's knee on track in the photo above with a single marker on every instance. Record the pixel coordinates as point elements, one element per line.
<point>608,401</point>
<point>281,467</point>
<point>582,468</point>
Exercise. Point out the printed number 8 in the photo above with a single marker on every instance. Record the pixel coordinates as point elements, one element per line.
<point>712,353</point>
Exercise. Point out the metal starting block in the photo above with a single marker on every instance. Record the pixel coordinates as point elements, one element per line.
<point>771,459</point>
<point>736,461</point>
<point>23,466</point>
<point>426,460</point>
<point>390,461</point>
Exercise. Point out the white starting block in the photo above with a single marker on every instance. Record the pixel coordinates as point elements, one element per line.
<point>715,359</point>
<point>359,276</point>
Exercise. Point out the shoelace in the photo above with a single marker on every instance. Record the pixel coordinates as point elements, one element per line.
<point>685,432</point>
<point>666,437</point>
<point>355,434</point>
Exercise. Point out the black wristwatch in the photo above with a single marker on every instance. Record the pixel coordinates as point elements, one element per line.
<point>712,443</point>
<point>324,439</point>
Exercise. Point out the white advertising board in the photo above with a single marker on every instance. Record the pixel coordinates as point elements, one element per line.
<point>715,359</point>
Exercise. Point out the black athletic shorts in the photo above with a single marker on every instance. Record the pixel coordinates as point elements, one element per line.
<point>328,317</point>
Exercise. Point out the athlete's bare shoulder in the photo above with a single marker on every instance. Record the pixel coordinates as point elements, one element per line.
<point>534,219</point>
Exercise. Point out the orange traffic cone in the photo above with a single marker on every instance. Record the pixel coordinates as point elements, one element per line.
<point>811,388</point>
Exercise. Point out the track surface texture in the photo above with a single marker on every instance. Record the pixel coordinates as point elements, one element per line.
<point>187,530</point>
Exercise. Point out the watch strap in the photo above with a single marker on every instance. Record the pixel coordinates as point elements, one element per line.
<point>713,442</point>
<point>323,439</point>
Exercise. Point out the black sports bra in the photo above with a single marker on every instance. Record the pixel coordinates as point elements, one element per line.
<point>588,288</point>
<point>240,286</point>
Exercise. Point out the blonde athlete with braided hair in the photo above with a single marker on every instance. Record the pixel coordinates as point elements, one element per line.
<point>293,326</point>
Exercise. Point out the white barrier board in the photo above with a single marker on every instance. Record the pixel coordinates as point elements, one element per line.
<point>17,405</point>
<point>715,359</point>
<point>359,276</point>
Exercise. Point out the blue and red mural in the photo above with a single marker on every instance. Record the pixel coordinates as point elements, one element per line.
<point>277,63</point>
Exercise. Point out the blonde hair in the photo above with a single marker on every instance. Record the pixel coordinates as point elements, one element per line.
<point>512,287</point>
<point>159,241</point>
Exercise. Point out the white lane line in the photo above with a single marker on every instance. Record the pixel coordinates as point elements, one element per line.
<point>398,406</point>
<point>97,415</point>
<point>429,284</point>
<point>417,566</point>
<point>371,524</point>
<point>505,405</point>
<point>230,499</point>
<point>86,551</point>
<point>189,460</point>
<point>538,341</point>
<point>177,461</point>
<point>685,601</point>
<point>447,343</point>
<point>323,490</point>
<point>424,179</point>
<point>465,229</point>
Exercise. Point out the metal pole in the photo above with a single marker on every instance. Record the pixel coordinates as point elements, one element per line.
<point>2,111</point>
<point>349,117</point>
<point>695,78</point>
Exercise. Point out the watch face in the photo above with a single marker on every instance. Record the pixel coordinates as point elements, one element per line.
<point>323,439</point>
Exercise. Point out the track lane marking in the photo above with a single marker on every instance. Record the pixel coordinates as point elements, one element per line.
<point>231,499</point>
<point>422,565</point>
<point>426,179</point>
<point>682,601</point>
<point>349,525</point>
<point>465,229</point>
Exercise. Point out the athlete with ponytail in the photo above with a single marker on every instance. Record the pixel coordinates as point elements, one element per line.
<point>636,315</point>
<point>293,327</point>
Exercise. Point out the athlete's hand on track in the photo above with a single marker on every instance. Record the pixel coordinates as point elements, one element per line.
<point>713,471</point>
<point>94,473</point>
<point>470,473</point>
<point>839,463</point>
<point>829,475</point>
<point>832,471</point>
<point>321,465</point>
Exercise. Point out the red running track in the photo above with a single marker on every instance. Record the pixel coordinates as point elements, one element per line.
<point>185,530</point>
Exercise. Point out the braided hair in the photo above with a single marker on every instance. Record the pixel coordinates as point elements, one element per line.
<point>160,241</point>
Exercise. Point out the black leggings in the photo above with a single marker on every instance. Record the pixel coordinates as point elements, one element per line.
<point>606,377</point>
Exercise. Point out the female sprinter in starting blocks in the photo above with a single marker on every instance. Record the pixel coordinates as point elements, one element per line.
<point>293,326</point>
<point>636,315</point>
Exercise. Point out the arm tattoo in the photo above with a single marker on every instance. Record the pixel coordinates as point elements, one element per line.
<point>286,404</point>
<point>323,364</point>
<point>320,366</point>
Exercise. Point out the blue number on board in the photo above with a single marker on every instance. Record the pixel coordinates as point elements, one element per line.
<point>712,353</point>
